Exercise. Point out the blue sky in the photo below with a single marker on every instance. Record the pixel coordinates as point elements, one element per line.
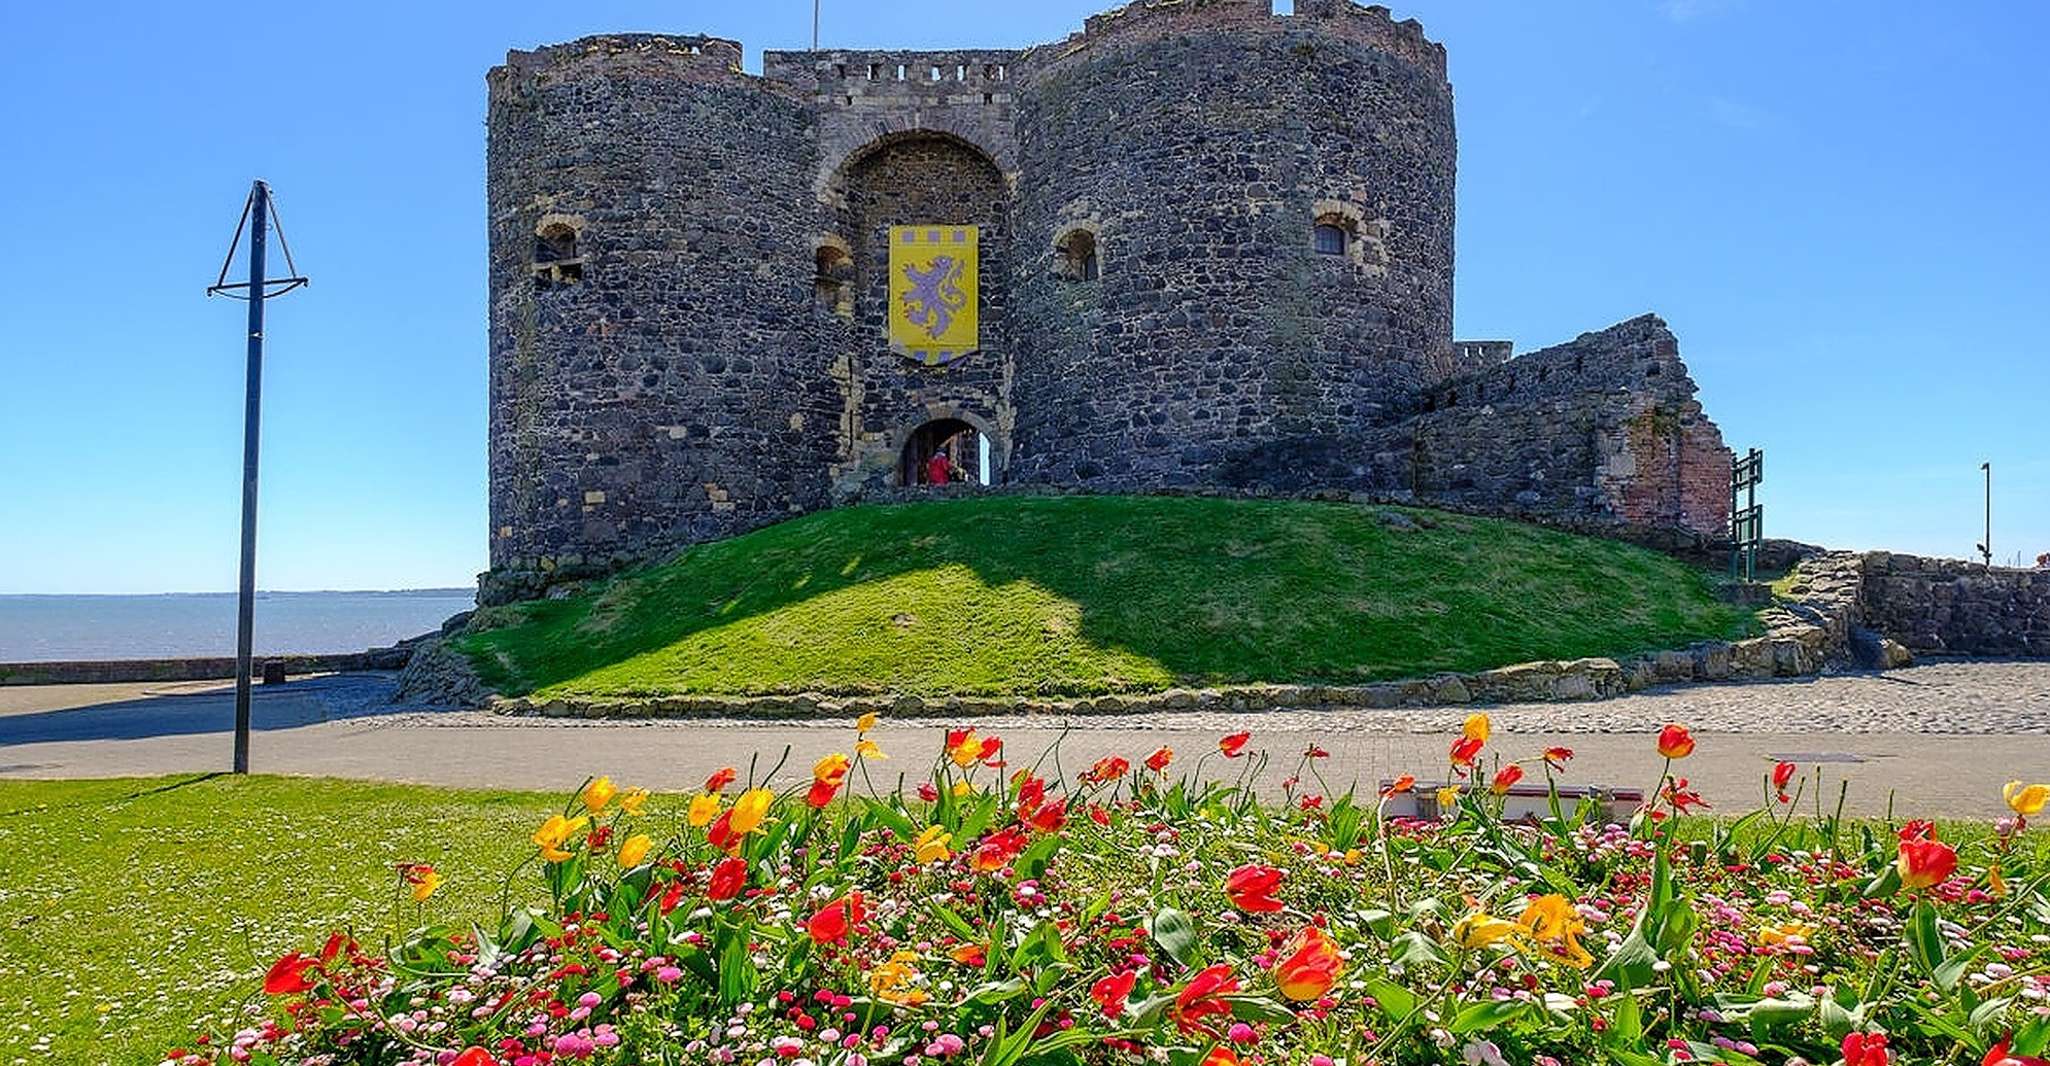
<point>1837,206</point>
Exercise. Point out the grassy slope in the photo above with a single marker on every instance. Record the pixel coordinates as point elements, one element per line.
<point>1083,595</point>
<point>133,911</point>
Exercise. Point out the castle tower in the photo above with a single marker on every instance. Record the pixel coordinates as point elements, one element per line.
<point>650,303</point>
<point>1271,202</point>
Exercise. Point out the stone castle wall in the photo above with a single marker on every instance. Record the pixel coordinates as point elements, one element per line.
<point>706,354</point>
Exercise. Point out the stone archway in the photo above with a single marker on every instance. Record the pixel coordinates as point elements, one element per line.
<point>976,452</point>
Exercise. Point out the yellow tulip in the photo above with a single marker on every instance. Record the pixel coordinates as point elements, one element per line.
<point>750,809</point>
<point>2026,800</point>
<point>867,749</point>
<point>631,801</point>
<point>555,832</point>
<point>931,845</point>
<point>865,723</point>
<point>703,808</point>
<point>634,850</point>
<point>1477,727</point>
<point>962,788</point>
<point>1479,930</point>
<point>598,793</point>
<point>1448,799</point>
<point>425,887</point>
<point>1553,922</point>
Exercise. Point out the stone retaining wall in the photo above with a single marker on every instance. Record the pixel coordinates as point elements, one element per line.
<point>1953,607</point>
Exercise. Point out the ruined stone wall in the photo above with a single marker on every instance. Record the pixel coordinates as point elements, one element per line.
<point>1953,607</point>
<point>1605,426</point>
<point>1200,143</point>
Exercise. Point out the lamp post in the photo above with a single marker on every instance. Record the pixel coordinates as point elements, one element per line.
<point>258,214</point>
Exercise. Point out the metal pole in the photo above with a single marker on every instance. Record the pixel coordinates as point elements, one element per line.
<point>1986,549</point>
<point>252,412</point>
<point>814,25</point>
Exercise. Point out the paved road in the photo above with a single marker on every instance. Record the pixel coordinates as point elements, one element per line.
<point>1893,733</point>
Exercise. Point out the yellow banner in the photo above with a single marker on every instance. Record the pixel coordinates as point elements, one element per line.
<point>932,292</point>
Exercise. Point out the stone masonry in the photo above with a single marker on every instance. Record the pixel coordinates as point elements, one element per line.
<point>688,287</point>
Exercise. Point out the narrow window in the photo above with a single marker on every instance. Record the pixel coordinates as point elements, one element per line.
<point>961,72</point>
<point>875,70</point>
<point>900,72</point>
<point>1330,238</point>
<point>1075,256</point>
<point>840,71</point>
<point>833,280</point>
<point>556,262</point>
<point>935,73</point>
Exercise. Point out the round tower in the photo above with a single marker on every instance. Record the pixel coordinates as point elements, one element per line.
<point>1247,243</point>
<point>650,286</point>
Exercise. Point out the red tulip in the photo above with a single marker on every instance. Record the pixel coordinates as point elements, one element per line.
<point>1998,1056</point>
<point>1049,818</point>
<point>1506,779</point>
<point>719,780</point>
<point>1675,742</point>
<point>1465,750</point>
<point>728,878</point>
<point>1157,762</point>
<point>835,920</point>
<point>1925,861</point>
<point>474,1056</point>
<point>1204,997</point>
<point>1110,993</point>
<point>1221,1056</point>
<point>1556,757</point>
<point>1865,1049</point>
<point>1251,888</point>
<point>1233,744</point>
<point>721,833</point>
<point>288,975</point>
<point>1782,776</point>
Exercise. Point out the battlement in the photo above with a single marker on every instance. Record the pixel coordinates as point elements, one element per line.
<point>1639,356</point>
<point>896,75</point>
<point>695,57</point>
<point>1372,25</point>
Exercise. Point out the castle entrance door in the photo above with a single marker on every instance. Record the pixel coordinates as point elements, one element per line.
<point>945,451</point>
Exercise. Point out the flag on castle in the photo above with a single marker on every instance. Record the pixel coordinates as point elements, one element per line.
<point>933,297</point>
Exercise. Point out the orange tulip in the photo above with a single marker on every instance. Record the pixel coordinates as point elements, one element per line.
<point>1506,779</point>
<point>1309,965</point>
<point>827,775</point>
<point>1400,785</point>
<point>1675,742</point>
<point>1157,762</point>
<point>1204,997</point>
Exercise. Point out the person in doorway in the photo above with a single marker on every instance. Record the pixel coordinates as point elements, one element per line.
<point>939,469</point>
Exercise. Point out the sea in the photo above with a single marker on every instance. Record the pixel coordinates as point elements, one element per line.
<point>36,628</point>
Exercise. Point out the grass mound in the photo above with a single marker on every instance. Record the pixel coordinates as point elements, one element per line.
<point>1085,595</point>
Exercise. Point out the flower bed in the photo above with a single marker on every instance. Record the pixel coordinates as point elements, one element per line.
<point>1001,913</point>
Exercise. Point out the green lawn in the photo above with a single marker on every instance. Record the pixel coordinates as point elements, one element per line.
<point>132,911</point>
<point>1083,595</point>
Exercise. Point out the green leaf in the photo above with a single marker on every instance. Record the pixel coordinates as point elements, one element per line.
<point>1838,1020</point>
<point>1414,950</point>
<point>1884,885</point>
<point>1396,1001</point>
<point>1176,935</point>
<point>953,921</point>
<point>1487,1015</point>
<point>1989,1016</point>
<point>1626,1026</point>
<point>2032,1038</point>
<point>1925,941</point>
<point>1953,969</point>
<point>1259,1009</point>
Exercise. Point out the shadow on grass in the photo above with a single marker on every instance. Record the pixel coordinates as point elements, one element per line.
<point>1079,595</point>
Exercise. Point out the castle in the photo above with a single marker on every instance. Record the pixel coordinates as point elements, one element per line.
<point>1214,254</point>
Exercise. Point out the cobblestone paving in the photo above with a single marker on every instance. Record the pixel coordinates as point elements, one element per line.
<point>1948,698</point>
